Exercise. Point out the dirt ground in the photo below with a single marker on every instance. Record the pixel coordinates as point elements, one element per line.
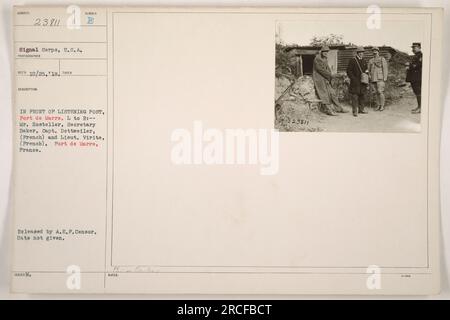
<point>396,117</point>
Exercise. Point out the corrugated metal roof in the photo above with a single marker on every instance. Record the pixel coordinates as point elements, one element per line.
<point>344,56</point>
<point>345,53</point>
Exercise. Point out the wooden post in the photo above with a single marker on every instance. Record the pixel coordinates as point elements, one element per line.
<point>301,66</point>
<point>332,60</point>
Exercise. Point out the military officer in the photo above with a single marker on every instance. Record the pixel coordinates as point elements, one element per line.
<point>414,74</point>
<point>358,86</point>
<point>378,72</point>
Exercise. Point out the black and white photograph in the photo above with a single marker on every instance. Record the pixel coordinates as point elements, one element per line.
<point>348,76</point>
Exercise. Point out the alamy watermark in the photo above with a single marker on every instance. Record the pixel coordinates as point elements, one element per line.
<point>373,281</point>
<point>373,22</point>
<point>212,146</point>
<point>73,281</point>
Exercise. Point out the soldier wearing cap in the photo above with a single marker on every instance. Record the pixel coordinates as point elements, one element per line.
<point>378,72</point>
<point>322,77</point>
<point>414,74</point>
<point>357,71</point>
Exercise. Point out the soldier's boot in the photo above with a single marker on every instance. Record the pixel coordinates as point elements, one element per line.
<point>327,110</point>
<point>418,109</point>
<point>355,104</point>
<point>342,110</point>
<point>339,109</point>
<point>361,103</point>
<point>382,102</point>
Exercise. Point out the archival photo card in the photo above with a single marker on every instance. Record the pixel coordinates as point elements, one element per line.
<point>226,150</point>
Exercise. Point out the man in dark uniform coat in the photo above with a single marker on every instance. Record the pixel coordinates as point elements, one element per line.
<point>357,89</point>
<point>414,74</point>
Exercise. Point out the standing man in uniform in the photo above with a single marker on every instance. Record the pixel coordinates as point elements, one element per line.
<point>414,74</point>
<point>322,77</point>
<point>357,71</point>
<point>378,72</point>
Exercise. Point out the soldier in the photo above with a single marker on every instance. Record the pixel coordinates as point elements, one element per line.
<point>378,72</point>
<point>357,71</point>
<point>322,77</point>
<point>414,74</point>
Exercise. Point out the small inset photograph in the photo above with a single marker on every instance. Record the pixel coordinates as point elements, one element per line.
<point>345,77</point>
